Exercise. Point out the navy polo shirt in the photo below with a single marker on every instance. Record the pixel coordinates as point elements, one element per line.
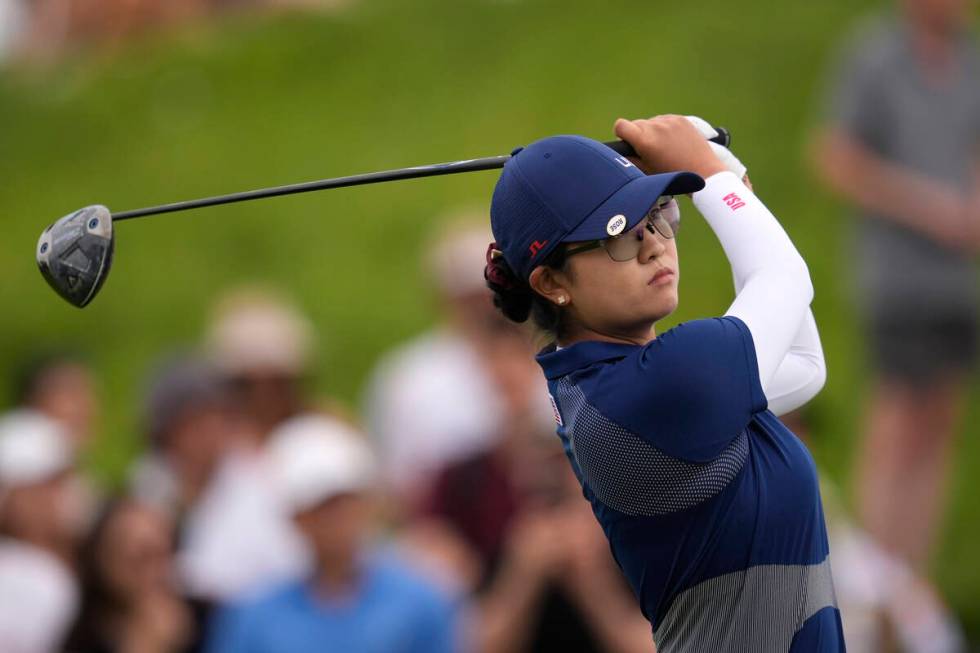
<point>711,505</point>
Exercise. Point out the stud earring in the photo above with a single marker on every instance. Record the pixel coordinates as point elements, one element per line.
<point>561,300</point>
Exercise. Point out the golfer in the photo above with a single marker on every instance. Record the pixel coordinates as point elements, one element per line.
<point>710,504</point>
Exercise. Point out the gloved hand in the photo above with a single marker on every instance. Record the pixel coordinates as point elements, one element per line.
<point>723,153</point>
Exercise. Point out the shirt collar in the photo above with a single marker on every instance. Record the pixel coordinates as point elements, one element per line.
<point>560,362</point>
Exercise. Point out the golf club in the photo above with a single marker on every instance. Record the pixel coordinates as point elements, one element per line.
<point>75,253</point>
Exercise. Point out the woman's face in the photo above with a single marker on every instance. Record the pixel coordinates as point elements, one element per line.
<point>621,299</point>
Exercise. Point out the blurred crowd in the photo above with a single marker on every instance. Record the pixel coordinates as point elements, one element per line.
<point>45,29</point>
<point>262,518</point>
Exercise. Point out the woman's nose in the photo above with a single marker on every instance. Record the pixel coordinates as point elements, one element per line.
<point>652,246</point>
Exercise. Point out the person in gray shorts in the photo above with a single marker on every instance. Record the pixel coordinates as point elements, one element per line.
<point>901,142</point>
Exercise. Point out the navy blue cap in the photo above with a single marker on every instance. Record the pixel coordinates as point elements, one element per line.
<point>567,189</point>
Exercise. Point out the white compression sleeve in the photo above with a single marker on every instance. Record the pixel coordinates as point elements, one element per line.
<point>775,288</point>
<point>802,373</point>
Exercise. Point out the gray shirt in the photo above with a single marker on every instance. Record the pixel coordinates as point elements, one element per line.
<point>883,98</point>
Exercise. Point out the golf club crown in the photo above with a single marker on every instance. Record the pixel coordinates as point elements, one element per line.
<point>74,253</point>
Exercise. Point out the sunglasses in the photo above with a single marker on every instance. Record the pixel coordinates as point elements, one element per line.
<point>664,218</point>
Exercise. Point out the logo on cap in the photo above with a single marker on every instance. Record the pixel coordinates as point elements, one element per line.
<point>616,225</point>
<point>536,247</point>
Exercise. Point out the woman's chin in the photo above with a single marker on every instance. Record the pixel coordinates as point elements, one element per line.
<point>665,305</point>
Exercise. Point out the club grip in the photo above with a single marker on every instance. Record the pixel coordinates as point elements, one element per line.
<point>723,138</point>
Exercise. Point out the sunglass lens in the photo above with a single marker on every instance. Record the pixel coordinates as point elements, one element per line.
<point>671,212</point>
<point>663,227</point>
<point>623,248</point>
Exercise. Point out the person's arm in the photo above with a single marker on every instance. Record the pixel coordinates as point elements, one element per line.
<point>850,150</point>
<point>595,585</point>
<point>891,191</point>
<point>802,372</point>
<point>509,607</point>
<point>775,288</point>
<point>614,617</point>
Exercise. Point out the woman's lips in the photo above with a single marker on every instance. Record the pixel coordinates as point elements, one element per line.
<point>663,276</point>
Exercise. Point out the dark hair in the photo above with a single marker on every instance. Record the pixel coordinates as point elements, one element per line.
<point>180,385</point>
<point>97,598</point>
<point>516,299</point>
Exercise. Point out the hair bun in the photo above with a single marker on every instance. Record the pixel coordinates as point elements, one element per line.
<point>497,272</point>
<point>510,294</point>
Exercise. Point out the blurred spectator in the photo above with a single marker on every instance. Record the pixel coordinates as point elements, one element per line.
<point>430,402</point>
<point>356,599</point>
<point>885,605</point>
<point>204,468</point>
<point>265,347</point>
<point>61,386</point>
<point>38,594</point>
<point>900,143</point>
<point>546,580</point>
<point>13,23</point>
<point>190,422</point>
<point>129,601</point>
<point>237,538</point>
<point>54,26</point>
<point>46,29</point>
<point>282,4</point>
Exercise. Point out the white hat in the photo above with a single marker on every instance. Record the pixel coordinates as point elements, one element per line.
<point>458,254</point>
<point>313,457</point>
<point>32,448</point>
<point>256,329</point>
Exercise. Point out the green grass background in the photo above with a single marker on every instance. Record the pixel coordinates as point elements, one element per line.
<point>250,102</point>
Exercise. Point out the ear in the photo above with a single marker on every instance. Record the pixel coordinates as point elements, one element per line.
<point>551,284</point>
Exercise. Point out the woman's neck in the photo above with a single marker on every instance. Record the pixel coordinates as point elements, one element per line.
<point>636,336</point>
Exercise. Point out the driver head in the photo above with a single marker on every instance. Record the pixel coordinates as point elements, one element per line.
<point>75,253</point>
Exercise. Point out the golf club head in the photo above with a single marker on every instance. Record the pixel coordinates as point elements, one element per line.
<point>75,253</point>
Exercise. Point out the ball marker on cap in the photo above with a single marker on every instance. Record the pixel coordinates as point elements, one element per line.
<point>616,225</point>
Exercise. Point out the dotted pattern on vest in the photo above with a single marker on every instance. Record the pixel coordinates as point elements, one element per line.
<point>634,477</point>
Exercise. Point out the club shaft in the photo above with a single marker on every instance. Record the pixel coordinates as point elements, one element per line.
<point>454,167</point>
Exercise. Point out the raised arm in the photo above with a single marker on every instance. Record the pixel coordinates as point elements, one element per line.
<point>802,372</point>
<point>775,290</point>
<point>773,284</point>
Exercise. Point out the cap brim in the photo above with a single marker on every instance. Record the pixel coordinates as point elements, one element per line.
<point>633,201</point>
